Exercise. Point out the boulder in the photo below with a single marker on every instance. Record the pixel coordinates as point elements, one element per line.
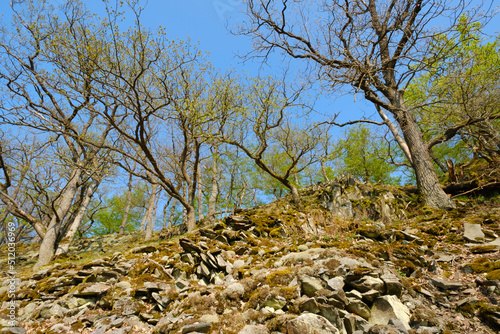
<point>254,329</point>
<point>473,232</point>
<point>386,308</point>
<point>311,324</point>
<point>310,285</point>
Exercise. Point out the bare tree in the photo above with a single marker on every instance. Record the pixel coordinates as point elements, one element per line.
<point>47,87</point>
<point>262,129</point>
<point>373,47</point>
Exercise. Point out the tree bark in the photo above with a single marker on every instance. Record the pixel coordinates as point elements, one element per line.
<point>212,201</point>
<point>48,245</point>
<point>73,227</point>
<point>151,212</point>
<point>127,206</point>
<point>200,194</point>
<point>427,180</point>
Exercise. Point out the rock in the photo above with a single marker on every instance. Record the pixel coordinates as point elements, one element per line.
<point>389,307</point>
<point>386,329</point>
<point>356,306</point>
<point>336,283</point>
<point>127,306</point>
<point>310,285</point>
<point>53,310</point>
<point>310,305</point>
<point>13,330</point>
<point>234,291</point>
<point>311,324</point>
<point>188,258</point>
<point>238,264</point>
<point>201,327</point>
<point>445,284</point>
<point>276,302</point>
<point>473,232</point>
<point>60,328</point>
<point>254,329</point>
<point>367,283</point>
<point>92,290</point>
<point>302,248</point>
<point>144,249</point>
<point>189,246</point>
<point>393,285</point>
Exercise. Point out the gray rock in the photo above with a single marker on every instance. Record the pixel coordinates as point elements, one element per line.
<point>335,283</point>
<point>311,324</point>
<point>356,306</point>
<point>386,308</point>
<point>367,283</point>
<point>127,306</point>
<point>201,327</point>
<point>60,328</point>
<point>473,232</point>
<point>254,329</point>
<point>144,249</point>
<point>54,310</point>
<point>393,285</point>
<point>92,290</point>
<point>234,291</point>
<point>276,302</point>
<point>310,285</point>
<point>13,330</point>
<point>386,329</point>
<point>310,305</point>
<point>445,284</point>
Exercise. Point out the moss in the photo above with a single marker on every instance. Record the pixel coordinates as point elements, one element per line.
<point>483,265</point>
<point>484,249</point>
<point>493,275</point>
<point>281,277</point>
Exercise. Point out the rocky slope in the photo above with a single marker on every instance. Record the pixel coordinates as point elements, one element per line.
<point>357,259</point>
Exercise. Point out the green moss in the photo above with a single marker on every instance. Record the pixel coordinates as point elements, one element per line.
<point>494,275</point>
<point>281,277</point>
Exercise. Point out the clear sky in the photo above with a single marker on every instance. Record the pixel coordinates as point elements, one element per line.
<point>204,22</point>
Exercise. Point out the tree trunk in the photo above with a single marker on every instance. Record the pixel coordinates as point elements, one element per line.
<point>190,219</point>
<point>427,179</point>
<point>323,170</point>
<point>71,231</point>
<point>212,201</point>
<point>295,195</point>
<point>164,218</point>
<point>47,248</point>
<point>127,206</point>
<point>172,212</point>
<point>200,194</point>
<point>151,212</point>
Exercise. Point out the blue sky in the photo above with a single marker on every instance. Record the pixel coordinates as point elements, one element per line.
<point>204,22</point>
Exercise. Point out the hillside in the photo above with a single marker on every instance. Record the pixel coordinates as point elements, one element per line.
<point>358,259</point>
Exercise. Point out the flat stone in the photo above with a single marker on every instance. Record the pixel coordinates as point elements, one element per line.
<point>310,305</point>
<point>144,249</point>
<point>201,327</point>
<point>311,324</point>
<point>389,307</point>
<point>473,232</point>
<point>335,283</point>
<point>310,285</point>
<point>189,246</point>
<point>393,285</point>
<point>356,306</point>
<point>93,290</point>
<point>445,284</point>
<point>13,330</point>
<point>276,302</point>
<point>234,291</point>
<point>254,329</point>
<point>367,283</point>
